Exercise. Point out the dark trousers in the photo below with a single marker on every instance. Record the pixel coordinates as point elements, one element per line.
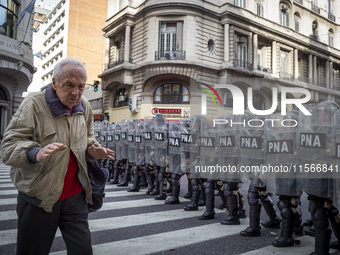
<point>37,228</point>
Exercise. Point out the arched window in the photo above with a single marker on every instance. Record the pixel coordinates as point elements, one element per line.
<point>3,95</point>
<point>259,8</point>
<point>297,19</point>
<point>228,99</point>
<point>331,37</point>
<point>258,102</point>
<point>284,14</point>
<point>121,99</point>
<point>171,93</point>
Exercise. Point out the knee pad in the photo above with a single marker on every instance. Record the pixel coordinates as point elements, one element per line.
<point>209,187</point>
<point>286,213</point>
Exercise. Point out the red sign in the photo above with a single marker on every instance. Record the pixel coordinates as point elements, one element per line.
<point>166,111</point>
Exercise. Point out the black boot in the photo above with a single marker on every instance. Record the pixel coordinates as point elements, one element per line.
<point>143,181</point>
<point>274,221</point>
<point>175,190</point>
<point>210,202</point>
<point>321,220</point>
<point>161,185</point>
<point>150,179</point>
<point>335,227</point>
<point>287,225</point>
<point>202,198</point>
<point>322,240</point>
<point>298,224</point>
<point>127,176</point>
<point>155,190</point>
<point>136,180</point>
<point>224,201</point>
<point>193,206</point>
<point>116,171</point>
<point>241,208</point>
<point>232,207</point>
<point>189,194</point>
<point>254,228</point>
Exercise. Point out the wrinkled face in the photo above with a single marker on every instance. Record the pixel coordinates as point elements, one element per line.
<point>70,85</point>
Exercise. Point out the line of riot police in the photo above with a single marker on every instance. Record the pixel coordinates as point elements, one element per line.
<point>157,153</point>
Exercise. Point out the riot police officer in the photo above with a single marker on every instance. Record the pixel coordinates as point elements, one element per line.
<point>252,155</point>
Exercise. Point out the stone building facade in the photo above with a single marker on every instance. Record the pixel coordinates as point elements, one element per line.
<point>16,57</point>
<point>158,51</point>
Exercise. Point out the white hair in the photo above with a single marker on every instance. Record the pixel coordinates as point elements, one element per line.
<point>57,71</point>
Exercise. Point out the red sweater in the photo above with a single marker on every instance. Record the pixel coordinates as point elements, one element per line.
<point>72,184</point>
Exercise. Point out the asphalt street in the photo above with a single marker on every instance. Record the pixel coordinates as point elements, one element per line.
<point>135,223</point>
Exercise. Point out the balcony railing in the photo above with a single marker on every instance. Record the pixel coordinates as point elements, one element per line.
<point>331,17</point>
<point>315,8</point>
<point>299,1</point>
<point>264,69</point>
<point>117,63</point>
<point>286,76</point>
<point>170,55</point>
<point>315,37</point>
<point>243,64</point>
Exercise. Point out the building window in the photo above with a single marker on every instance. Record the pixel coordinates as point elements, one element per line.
<point>259,9</point>
<point>96,104</point>
<point>284,14</point>
<point>170,41</point>
<point>285,65</point>
<point>241,51</point>
<point>258,102</point>
<point>297,22</point>
<point>331,38</point>
<point>171,93</point>
<point>228,99</point>
<point>211,45</point>
<point>121,99</point>
<point>240,3</point>
<point>8,18</point>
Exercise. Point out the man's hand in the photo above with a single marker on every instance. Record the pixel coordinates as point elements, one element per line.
<point>100,152</point>
<point>49,150</point>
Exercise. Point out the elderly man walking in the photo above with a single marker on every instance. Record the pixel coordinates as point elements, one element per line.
<point>46,144</point>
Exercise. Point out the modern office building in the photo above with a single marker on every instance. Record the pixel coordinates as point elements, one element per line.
<point>16,57</point>
<point>159,50</point>
<point>73,29</point>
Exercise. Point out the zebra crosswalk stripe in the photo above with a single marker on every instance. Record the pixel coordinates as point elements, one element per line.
<point>146,244</point>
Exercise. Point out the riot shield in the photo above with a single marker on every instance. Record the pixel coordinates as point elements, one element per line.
<point>103,133</point>
<point>208,151</point>
<point>111,143</point>
<point>336,177</point>
<point>251,148</point>
<point>191,140</point>
<point>174,141</point>
<point>139,144</point>
<point>118,141</point>
<point>228,147</point>
<point>149,146</point>
<point>97,129</point>
<point>161,140</point>
<point>124,139</point>
<point>131,132</point>
<point>281,153</point>
<point>315,150</point>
